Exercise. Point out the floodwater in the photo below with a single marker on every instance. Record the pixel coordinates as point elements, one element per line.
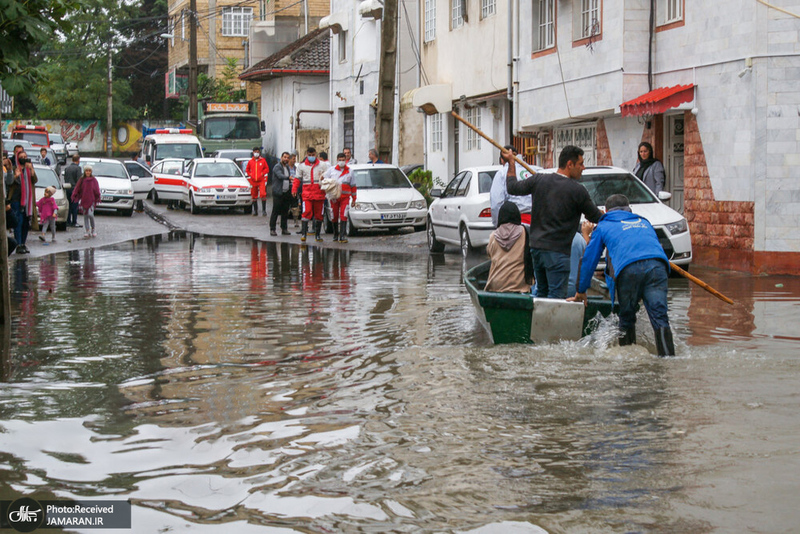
<point>227,385</point>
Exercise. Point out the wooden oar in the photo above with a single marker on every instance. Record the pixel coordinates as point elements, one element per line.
<point>700,283</point>
<point>492,141</point>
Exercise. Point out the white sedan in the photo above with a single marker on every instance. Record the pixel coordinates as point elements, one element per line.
<point>215,183</point>
<point>461,215</point>
<point>116,188</point>
<point>385,200</point>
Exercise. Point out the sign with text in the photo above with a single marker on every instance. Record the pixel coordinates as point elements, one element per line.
<point>227,107</point>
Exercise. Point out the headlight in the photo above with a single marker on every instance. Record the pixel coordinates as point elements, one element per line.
<point>363,206</point>
<point>678,227</point>
<point>207,190</point>
<point>246,190</point>
<point>419,205</point>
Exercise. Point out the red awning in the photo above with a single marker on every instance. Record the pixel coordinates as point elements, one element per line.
<point>658,100</point>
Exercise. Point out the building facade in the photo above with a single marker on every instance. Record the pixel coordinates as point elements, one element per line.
<point>716,91</point>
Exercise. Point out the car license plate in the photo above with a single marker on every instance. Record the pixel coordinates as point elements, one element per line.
<point>226,197</point>
<point>389,216</point>
<point>106,198</point>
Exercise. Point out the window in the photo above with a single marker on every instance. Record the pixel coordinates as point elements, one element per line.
<point>589,19</point>
<point>236,21</point>
<point>436,133</point>
<point>544,28</point>
<point>450,190</point>
<point>463,187</point>
<point>473,139</point>
<point>488,7</point>
<point>348,126</point>
<point>669,12</point>
<point>583,136</point>
<point>430,20</point>
<point>342,46</point>
<point>457,11</point>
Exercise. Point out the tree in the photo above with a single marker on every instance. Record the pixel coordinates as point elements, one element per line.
<point>221,89</point>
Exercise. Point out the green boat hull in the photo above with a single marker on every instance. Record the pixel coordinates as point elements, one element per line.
<point>508,317</point>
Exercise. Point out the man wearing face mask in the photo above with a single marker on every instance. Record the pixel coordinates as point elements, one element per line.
<point>309,174</point>
<point>257,170</point>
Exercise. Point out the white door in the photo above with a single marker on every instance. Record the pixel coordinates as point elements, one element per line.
<point>673,164</point>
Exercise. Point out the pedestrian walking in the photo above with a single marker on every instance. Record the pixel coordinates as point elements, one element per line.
<point>48,211</point>
<point>309,174</point>
<point>23,199</point>
<point>72,174</point>
<point>341,202</point>
<point>87,194</point>
<point>557,201</point>
<point>281,195</point>
<point>636,267</point>
<point>257,171</point>
<point>649,170</point>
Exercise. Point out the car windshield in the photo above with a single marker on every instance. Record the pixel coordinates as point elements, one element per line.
<point>602,186</point>
<point>45,177</point>
<point>178,150</point>
<point>231,128</point>
<point>106,170</point>
<point>381,179</point>
<point>56,138</point>
<point>218,169</point>
<point>34,138</point>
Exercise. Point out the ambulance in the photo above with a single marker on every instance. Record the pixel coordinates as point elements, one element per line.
<point>171,143</point>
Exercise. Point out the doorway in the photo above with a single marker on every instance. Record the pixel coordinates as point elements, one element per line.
<point>673,160</point>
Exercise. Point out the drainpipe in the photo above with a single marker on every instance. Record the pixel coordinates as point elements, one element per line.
<point>650,45</point>
<point>516,59</point>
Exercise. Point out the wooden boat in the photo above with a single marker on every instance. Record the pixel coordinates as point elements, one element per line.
<point>520,318</point>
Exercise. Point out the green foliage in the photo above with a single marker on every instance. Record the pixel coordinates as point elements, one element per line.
<point>222,89</point>
<point>426,183</point>
<point>24,26</point>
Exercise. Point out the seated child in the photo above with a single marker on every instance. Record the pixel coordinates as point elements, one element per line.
<point>512,265</point>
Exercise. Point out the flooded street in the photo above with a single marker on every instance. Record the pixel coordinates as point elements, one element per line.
<point>230,385</point>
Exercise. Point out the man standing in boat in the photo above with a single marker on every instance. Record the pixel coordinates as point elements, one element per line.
<point>636,265</point>
<point>557,201</point>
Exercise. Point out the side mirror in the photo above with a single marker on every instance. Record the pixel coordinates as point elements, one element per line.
<point>134,178</point>
<point>436,193</point>
<point>664,195</point>
<point>186,175</point>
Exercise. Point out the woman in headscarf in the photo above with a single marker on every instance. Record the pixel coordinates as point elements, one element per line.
<point>512,265</point>
<point>649,170</point>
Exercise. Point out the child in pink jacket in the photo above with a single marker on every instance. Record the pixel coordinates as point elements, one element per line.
<point>48,211</point>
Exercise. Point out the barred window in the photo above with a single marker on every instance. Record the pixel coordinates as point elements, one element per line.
<point>430,20</point>
<point>436,133</point>
<point>473,139</point>
<point>236,21</point>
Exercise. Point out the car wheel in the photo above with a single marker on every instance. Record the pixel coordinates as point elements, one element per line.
<point>433,244</point>
<point>126,213</point>
<point>420,228</point>
<point>466,246</point>
<point>352,231</point>
<point>248,209</point>
<point>155,197</point>
<point>193,207</point>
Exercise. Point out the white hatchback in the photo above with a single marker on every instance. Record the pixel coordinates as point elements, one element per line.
<point>215,183</point>
<point>461,215</point>
<point>386,199</point>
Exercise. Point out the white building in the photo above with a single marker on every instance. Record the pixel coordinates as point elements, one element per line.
<point>295,98</point>
<point>355,28</point>
<point>465,53</point>
<point>715,87</point>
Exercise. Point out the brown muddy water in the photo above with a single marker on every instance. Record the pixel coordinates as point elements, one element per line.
<point>227,385</point>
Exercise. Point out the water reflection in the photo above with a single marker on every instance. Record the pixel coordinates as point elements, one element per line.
<point>228,381</point>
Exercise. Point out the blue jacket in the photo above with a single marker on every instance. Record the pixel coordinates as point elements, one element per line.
<point>628,238</point>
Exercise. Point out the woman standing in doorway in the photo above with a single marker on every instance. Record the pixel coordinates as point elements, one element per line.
<point>649,170</point>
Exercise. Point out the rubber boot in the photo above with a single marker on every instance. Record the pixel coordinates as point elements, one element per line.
<point>264,207</point>
<point>304,231</point>
<point>255,208</point>
<point>343,232</point>
<point>664,344</point>
<point>627,337</point>
<point>336,231</point>
<point>317,230</point>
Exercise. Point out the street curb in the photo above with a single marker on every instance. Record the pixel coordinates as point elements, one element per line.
<point>160,218</point>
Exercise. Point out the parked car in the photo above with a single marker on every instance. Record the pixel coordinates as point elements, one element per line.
<point>408,169</point>
<point>386,199</point>
<point>461,215</point>
<point>670,226</point>
<point>62,149</point>
<point>142,179</point>
<point>36,157</point>
<point>38,136</point>
<point>116,188</point>
<point>215,183</point>
<point>171,143</point>
<point>46,177</point>
<point>239,155</point>
<point>168,182</point>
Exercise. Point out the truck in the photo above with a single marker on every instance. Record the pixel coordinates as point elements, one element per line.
<point>228,125</point>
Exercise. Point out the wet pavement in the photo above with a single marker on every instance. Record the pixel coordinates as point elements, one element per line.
<point>228,384</point>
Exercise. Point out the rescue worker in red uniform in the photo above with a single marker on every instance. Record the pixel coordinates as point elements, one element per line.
<point>309,173</point>
<point>257,170</point>
<point>341,173</point>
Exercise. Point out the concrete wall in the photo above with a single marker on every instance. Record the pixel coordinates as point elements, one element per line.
<point>281,99</point>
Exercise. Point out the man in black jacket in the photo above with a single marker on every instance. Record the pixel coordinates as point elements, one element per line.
<point>281,195</point>
<point>558,201</point>
<point>72,174</point>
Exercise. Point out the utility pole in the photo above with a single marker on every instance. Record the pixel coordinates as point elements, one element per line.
<point>387,80</point>
<point>193,62</point>
<point>109,126</point>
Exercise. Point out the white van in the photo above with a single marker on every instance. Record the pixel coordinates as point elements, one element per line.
<point>171,143</point>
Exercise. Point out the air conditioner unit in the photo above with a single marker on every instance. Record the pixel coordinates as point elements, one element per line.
<point>542,142</point>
